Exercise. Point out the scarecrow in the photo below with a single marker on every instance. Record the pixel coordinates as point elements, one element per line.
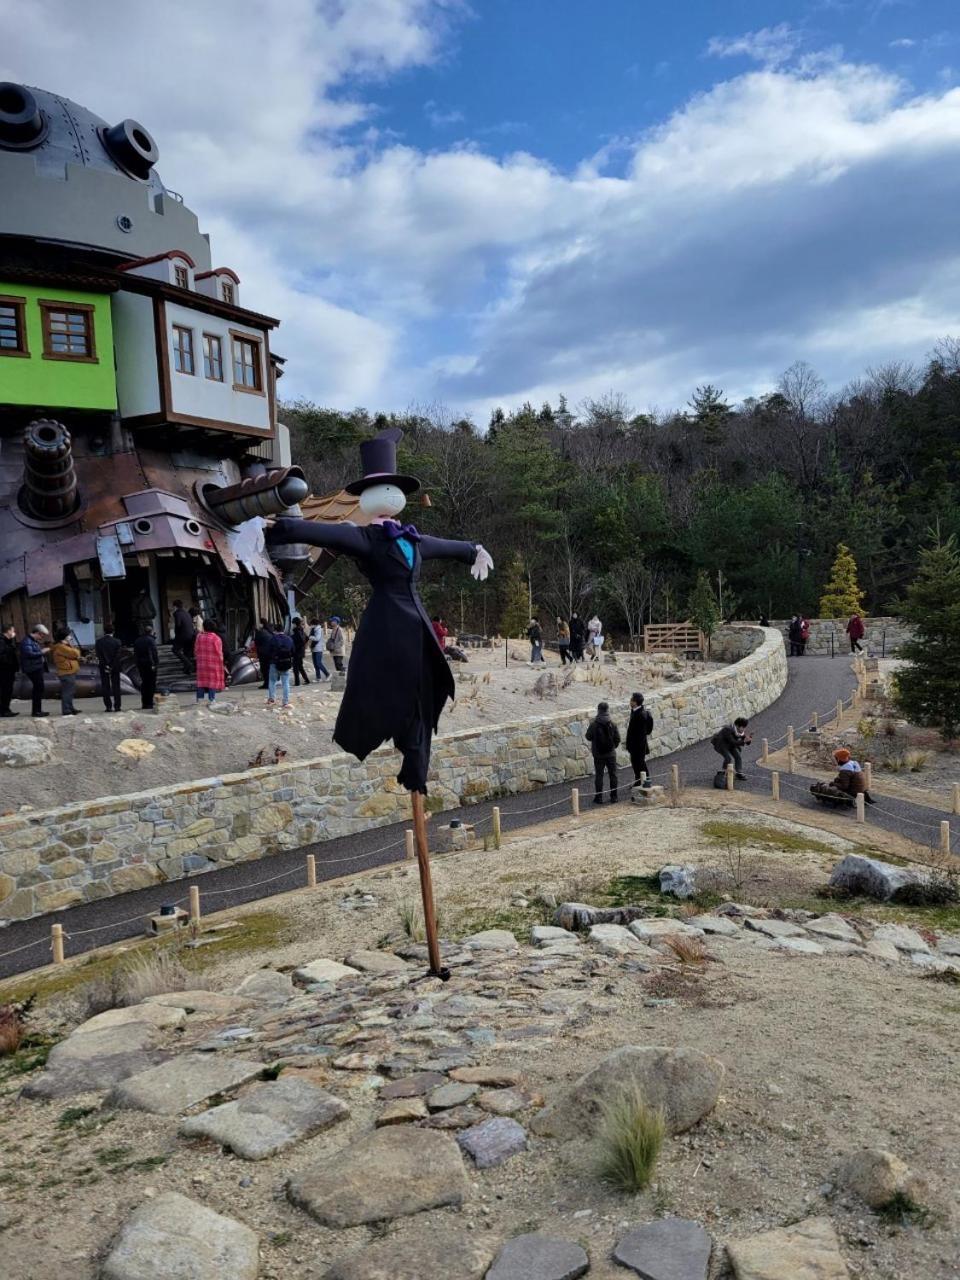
<point>398,680</point>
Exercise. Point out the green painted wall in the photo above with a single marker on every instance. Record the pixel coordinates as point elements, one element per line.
<point>69,384</point>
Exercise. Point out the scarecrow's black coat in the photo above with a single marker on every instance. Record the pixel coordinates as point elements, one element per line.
<point>398,679</point>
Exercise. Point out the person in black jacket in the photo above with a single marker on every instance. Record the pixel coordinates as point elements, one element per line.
<point>33,651</point>
<point>281,658</point>
<point>299,636</point>
<point>535,636</point>
<point>9,666</point>
<point>578,636</point>
<point>107,649</point>
<point>184,634</point>
<point>730,741</point>
<point>638,734</point>
<point>604,738</point>
<point>147,659</point>
<point>263,639</point>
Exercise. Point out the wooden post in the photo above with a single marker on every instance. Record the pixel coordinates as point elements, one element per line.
<point>861,809</point>
<point>839,710</point>
<point>944,837</point>
<point>194,904</point>
<point>675,779</point>
<point>764,750</point>
<point>789,737</point>
<point>815,720</point>
<point>496,827</point>
<point>730,773</point>
<point>956,797</point>
<point>791,761</point>
<point>56,942</point>
<point>575,801</point>
<point>311,871</point>
<point>426,882</point>
<point>408,838</point>
<point>775,784</point>
<point>868,775</point>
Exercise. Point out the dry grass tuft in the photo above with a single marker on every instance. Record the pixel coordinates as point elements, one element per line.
<point>688,950</point>
<point>152,973</point>
<point>629,1141</point>
<point>13,1020</point>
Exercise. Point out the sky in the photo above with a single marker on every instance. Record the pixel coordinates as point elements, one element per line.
<point>477,204</point>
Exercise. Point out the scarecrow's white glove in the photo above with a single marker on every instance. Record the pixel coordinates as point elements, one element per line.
<point>481,565</point>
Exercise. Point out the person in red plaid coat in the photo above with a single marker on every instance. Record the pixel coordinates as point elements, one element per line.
<point>208,656</point>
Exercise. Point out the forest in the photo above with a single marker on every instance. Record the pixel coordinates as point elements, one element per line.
<point>604,508</point>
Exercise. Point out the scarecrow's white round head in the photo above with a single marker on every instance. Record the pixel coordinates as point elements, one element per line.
<point>382,500</point>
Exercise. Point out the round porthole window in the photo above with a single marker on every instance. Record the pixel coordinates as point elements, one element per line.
<point>192,526</point>
<point>143,526</point>
<point>124,222</point>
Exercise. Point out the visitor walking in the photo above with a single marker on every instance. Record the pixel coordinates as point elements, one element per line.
<point>9,666</point>
<point>148,660</point>
<point>107,649</point>
<point>856,631</point>
<point>563,642</point>
<point>208,653</point>
<point>66,662</point>
<point>299,637</point>
<point>604,738</point>
<point>317,640</point>
<point>33,651</point>
<point>336,643</point>
<point>595,638</point>
<point>535,636</point>
<point>578,635</point>
<point>730,741</point>
<point>638,737</point>
<point>184,635</point>
<point>281,664</point>
<point>804,634</point>
<point>262,640</point>
<point>794,636</point>
<point>440,631</point>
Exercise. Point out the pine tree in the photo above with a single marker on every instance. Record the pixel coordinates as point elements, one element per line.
<point>841,596</point>
<point>702,606</point>
<point>928,686</point>
<point>516,599</point>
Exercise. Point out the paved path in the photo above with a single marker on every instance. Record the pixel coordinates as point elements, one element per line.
<point>815,684</point>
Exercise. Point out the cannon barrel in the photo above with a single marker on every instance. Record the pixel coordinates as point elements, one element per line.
<point>264,495</point>
<point>49,480</point>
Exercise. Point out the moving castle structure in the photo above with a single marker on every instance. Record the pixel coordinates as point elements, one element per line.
<point>139,440</point>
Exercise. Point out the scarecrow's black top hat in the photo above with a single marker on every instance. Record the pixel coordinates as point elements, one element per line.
<point>379,459</point>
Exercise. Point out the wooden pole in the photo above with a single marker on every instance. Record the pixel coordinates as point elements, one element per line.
<point>575,801</point>
<point>764,750</point>
<point>815,720</point>
<point>426,883</point>
<point>408,838</point>
<point>675,779</point>
<point>956,797</point>
<point>789,737</point>
<point>56,942</point>
<point>496,826</point>
<point>868,775</point>
<point>861,809</point>
<point>730,772</point>
<point>194,904</point>
<point>944,837</point>
<point>791,761</point>
<point>775,784</point>
<point>839,710</point>
<point>311,871</point>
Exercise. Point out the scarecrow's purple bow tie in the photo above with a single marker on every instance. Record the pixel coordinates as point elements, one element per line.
<point>395,530</point>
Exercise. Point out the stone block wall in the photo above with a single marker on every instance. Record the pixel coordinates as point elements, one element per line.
<point>883,639</point>
<point>57,858</point>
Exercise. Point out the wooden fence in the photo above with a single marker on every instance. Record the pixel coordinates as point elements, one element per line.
<point>673,637</point>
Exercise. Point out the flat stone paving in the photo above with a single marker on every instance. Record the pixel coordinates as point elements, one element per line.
<point>183,1082</point>
<point>268,1119</point>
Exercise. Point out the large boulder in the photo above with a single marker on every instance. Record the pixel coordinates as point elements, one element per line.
<point>578,915</point>
<point>174,1238</point>
<point>18,750</point>
<point>878,1177</point>
<point>684,1083</point>
<point>680,881</point>
<point>871,878</point>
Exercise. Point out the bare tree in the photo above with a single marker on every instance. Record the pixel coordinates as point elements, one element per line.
<point>632,585</point>
<point>567,578</point>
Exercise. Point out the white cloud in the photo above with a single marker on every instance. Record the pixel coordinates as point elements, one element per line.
<point>770,45</point>
<point>440,118</point>
<point>802,209</point>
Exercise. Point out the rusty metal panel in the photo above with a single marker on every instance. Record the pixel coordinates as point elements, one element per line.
<point>225,551</point>
<point>110,556</point>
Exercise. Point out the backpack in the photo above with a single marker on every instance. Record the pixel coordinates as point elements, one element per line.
<point>720,780</point>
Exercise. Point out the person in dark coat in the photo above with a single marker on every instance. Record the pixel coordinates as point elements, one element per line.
<point>184,634</point>
<point>638,735</point>
<point>298,635</point>
<point>578,637</point>
<point>148,660</point>
<point>9,666</point>
<point>263,639</point>
<point>730,741</point>
<point>107,649</point>
<point>604,738</point>
<point>398,680</point>
<point>856,631</point>
<point>535,636</point>
<point>33,650</point>
<point>281,657</point>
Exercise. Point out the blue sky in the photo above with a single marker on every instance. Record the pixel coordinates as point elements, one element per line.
<point>466,206</point>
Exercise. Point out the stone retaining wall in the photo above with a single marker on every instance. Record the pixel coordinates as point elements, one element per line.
<point>884,635</point>
<point>90,850</point>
